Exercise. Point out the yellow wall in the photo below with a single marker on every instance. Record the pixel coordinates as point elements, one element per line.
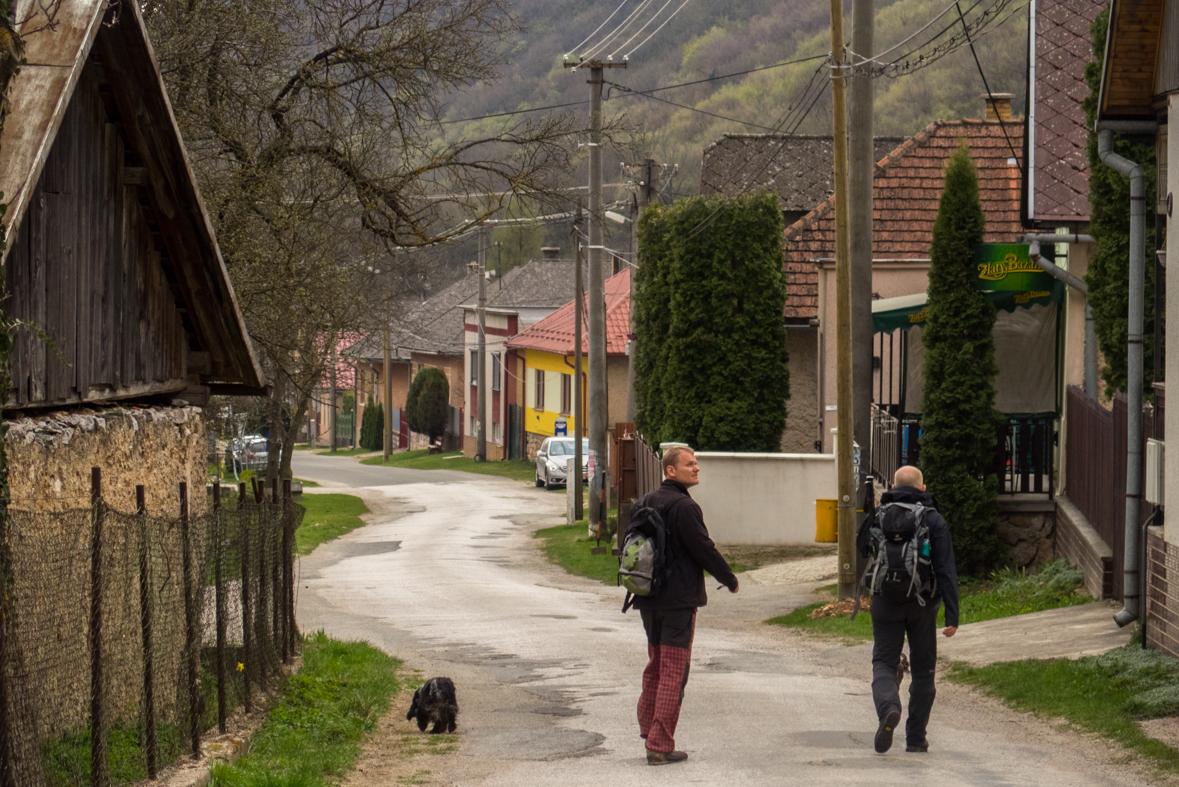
<point>553,365</point>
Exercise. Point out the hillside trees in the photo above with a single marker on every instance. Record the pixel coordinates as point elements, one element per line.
<point>958,416</point>
<point>711,366</point>
<point>427,407</point>
<point>312,131</point>
<point>1109,223</point>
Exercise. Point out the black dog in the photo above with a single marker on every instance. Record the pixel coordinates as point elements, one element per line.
<point>435,702</point>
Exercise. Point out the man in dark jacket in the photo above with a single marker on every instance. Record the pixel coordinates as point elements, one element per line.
<point>670,617</point>
<point>892,621</point>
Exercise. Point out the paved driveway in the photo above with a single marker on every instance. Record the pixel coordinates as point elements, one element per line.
<point>548,670</point>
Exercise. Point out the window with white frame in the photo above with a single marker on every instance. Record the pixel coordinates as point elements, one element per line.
<point>538,390</point>
<point>495,371</point>
<point>474,367</point>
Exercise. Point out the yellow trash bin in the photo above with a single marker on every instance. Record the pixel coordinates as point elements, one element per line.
<point>826,529</point>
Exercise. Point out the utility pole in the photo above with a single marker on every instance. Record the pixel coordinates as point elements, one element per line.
<point>332,415</point>
<point>388,441</point>
<point>578,426</point>
<point>597,302</point>
<point>648,170</point>
<point>481,406</point>
<point>843,315</point>
<point>861,164</point>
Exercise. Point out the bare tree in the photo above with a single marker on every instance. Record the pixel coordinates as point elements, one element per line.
<point>313,129</point>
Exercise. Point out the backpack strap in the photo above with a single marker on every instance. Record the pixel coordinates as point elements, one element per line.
<point>627,602</point>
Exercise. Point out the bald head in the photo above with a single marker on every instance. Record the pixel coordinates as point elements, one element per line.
<point>909,475</point>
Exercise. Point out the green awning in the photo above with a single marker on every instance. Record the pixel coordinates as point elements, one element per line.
<point>907,311</point>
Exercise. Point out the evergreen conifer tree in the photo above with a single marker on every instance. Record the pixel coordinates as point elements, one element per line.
<point>711,363</point>
<point>427,407</point>
<point>958,418</point>
<point>372,426</point>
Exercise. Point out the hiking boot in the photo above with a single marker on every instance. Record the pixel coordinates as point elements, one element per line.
<point>884,731</point>
<point>665,757</point>
<point>923,746</point>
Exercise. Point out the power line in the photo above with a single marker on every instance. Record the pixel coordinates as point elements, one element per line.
<point>591,35</point>
<point>990,96</point>
<point>690,108</point>
<point>642,92</point>
<point>616,32</point>
<point>653,32</point>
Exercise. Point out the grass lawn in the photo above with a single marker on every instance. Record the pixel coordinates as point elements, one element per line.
<point>1101,694</point>
<point>569,547</point>
<point>344,452</point>
<point>327,517</point>
<point>312,737</point>
<point>517,469</point>
<point>1006,593</point>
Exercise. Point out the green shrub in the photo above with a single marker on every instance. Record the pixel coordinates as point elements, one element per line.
<point>427,409</point>
<point>711,366</point>
<point>372,426</point>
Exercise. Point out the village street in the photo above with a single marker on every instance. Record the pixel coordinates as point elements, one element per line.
<point>446,578</point>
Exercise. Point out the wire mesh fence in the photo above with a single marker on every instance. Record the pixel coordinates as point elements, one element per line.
<point>125,636</point>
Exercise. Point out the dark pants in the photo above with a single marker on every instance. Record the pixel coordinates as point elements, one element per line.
<point>890,623</point>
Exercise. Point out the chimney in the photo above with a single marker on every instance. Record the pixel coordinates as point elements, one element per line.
<point>550,252</point>
<point>473,267</point>
<point>998,106</point>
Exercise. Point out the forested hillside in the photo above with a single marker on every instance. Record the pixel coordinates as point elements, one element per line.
<point>706,40</point>
<point>710,39</point>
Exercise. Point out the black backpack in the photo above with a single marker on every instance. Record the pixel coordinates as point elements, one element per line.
<point>899,568</point>
<point>643,566</point>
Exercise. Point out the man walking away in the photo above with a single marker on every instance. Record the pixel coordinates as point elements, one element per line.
<point>908,606</point>
<point>670,616</point>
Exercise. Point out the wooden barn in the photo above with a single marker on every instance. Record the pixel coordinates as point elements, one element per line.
<point>112,257</point>
<point>110,250</point>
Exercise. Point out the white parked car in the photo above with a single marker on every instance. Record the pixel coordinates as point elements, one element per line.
<point>552,460</point>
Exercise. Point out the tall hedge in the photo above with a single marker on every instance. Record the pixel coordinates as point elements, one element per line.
<point>427,407</point>
<point>711,368</point>
<point>372,426</point>
<point>1109,223</point>
<point>958,416</point>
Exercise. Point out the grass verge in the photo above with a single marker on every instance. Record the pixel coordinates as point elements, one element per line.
<point>1105,694</point>
<point>516,469</point>
<point>327,517</point>
<point>1008,592</point>
<point>312,737</point>
<point>569,547</point>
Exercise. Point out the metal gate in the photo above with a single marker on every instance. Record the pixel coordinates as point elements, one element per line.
<point>515,438</point>
<point>345,430</point>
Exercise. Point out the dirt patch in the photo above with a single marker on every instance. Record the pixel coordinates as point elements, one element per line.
<point>754,556</point>
<point>1165,731</point>
<point>838,609</point>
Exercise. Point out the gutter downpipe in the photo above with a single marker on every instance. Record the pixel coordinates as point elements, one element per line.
<point>1078,284</point>
<point>1137,282</point>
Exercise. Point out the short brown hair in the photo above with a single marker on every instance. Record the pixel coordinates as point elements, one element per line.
<point>672,456</point>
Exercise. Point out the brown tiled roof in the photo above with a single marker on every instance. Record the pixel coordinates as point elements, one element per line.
<point>1060,174</point>
<point>555,333</point>
<point>796,168</point>
<point>906,190</point>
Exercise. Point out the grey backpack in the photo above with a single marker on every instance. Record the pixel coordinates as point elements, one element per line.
<point>642,566</point>
<point>900,568</point>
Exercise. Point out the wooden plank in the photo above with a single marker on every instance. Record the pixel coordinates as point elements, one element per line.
<point>137,391</point>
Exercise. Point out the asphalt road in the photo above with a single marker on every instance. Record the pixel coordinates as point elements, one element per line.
<point>548,670</point>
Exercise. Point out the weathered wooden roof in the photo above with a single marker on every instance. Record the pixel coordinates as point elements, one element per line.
<point>1138,41</point>
<point>114,37</point>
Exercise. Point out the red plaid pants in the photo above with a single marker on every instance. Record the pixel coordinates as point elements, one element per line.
<point>664,679</point>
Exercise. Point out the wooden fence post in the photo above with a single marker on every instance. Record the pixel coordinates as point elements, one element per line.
<point>288,556</point>
<point>243,524</point>
<point>219,602</point>
<point>190,621</point>
<point>145,589</point>
<point>99,765</point>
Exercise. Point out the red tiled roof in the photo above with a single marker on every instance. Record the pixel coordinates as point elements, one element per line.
<point>906,190</point>
<point>1060,166</point>
<point>555,333</point>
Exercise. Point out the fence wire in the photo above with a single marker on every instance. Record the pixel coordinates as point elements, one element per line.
<point>124,637</point>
